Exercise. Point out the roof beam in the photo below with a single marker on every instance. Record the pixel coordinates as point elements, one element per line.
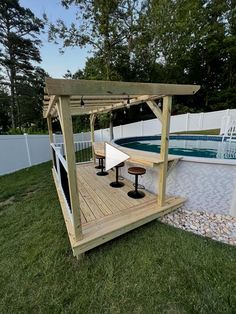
<point>92,87</point>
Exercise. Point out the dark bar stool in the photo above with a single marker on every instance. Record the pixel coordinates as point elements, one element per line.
<point>102,172</point>
<point>99,166</point>
<point>136,171</point>
<point>117,183</point>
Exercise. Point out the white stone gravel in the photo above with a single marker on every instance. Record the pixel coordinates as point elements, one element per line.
<point>218,227</point>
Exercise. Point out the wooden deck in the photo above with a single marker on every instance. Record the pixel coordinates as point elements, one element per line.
<point>107,212</point>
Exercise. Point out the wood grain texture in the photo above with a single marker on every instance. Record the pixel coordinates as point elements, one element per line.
<point>107,212</point>
<point>69,87</point>
<point>67,132</point>
<point>167,101</point>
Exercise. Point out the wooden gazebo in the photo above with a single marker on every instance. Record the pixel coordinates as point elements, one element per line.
<point>93,212</point>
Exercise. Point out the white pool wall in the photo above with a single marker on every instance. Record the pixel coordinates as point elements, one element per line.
<point>208,184</point>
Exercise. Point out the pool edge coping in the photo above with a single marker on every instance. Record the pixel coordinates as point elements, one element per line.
<point>228,162</point>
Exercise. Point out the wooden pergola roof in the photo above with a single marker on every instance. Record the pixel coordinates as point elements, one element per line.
<point>90,96</point>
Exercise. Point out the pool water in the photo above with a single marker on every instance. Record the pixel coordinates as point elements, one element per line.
<point>192,146</point>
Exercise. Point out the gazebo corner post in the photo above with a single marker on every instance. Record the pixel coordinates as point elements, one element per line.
<point>166,112</point>
<point>92,136</point>
<point>67,131</point>
<point>50,133</point>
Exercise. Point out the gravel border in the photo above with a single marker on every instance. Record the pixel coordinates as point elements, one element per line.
<point>215,226</point>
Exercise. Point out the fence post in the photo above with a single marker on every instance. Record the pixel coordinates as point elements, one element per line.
<point>201,116</point>
<point>27,149</point>
<point>121,130</point>
<point>187,122</point>
<point>141,127</point>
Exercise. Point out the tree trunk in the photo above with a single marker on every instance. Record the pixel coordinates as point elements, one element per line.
<point>12,109</point>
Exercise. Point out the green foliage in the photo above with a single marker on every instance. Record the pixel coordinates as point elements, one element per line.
<point>193,38</point>
<point>106,26</point>
<point>4,105</point>
<point>169,41</point>
<point>19,48</point>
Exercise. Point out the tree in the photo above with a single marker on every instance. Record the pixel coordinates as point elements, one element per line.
<point>4,104</point>
<point>103,25</point>
<point>19,47</point>
<point>191,42</point>
<point>30,98</point>
<point>166,41</point>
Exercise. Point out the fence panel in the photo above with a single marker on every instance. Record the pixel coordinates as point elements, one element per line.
<point>22,151</point>
<point>132,129</point>
<point>39,148</point>
<point>194,121</point>
<point>212,120</point>
<point>151,127</point>
<point>13,153</point>
<point>178,123</point>
<point>117,131</point>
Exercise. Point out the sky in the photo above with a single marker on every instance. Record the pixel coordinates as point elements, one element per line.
<point>52,61</point>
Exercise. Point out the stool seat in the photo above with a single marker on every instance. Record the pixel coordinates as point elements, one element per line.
<point>117,183</point>
<point>136,170</point>
<point>120,165</point>
<point>100,157</point>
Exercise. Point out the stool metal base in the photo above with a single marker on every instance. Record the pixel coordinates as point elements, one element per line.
<point>136,194</point>
<point>116,184</point>
<point>102,173</point>
<point>98,167</point>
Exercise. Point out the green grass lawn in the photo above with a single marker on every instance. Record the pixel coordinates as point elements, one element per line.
<point>84,154</point>
<point>154,269</point>
<point>202,132</point>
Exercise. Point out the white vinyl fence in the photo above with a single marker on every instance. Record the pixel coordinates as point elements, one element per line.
<point>22,151</point>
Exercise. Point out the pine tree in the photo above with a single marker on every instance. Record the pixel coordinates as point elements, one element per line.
<point>19,48</point>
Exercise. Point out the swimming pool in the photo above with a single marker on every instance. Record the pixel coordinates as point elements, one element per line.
<point>185,145</point>
<point>205,176</point>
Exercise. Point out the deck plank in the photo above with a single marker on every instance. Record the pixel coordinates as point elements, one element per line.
<point>107,213</point>
<point>112,227</point>
<point>103,188</point>
<point>100,185</point>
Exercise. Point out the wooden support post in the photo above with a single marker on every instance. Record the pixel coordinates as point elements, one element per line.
<point>51,139</point>
<point>67,131</point>
<point>92,122</point>
<point>167,100</point>
<point>49,121</point>
<point>59,115</point>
